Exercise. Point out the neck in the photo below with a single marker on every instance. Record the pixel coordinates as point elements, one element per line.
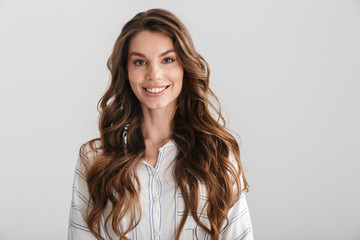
<point>156,125</point>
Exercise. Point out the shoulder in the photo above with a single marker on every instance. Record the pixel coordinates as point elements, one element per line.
<point>239,172</point>
<point>88,153</point>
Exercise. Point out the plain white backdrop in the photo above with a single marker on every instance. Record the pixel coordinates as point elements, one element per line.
<point>287,74</point>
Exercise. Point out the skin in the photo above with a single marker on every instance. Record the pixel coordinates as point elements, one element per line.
<point>153,63</point>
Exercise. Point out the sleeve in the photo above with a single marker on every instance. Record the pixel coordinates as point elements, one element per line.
<point>239,227</point>
<point>78,229</point>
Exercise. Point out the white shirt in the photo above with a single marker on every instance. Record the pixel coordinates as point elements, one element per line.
<point>161,206</point>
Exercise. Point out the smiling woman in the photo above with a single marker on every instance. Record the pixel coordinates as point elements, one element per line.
<point>163,167</point>
<point>155,73</point>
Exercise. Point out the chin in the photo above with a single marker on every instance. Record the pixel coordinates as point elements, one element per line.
<point>158,106</point>
<point>155,107</point>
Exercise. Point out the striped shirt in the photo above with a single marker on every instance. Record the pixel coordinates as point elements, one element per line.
<point>162,207</point>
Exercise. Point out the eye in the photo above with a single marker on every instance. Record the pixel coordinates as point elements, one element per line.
<point>168,60</point>
<point>139,62</point>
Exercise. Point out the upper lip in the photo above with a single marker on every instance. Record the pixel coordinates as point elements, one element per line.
<point>155,86</point>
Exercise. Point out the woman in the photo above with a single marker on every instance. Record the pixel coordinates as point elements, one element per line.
<point>163,167</point>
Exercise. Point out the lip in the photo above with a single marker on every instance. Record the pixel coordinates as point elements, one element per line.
<point>158,94</point>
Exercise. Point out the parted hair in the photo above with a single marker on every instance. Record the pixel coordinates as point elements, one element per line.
<point>208,155</point>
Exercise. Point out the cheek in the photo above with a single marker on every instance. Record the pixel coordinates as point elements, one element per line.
<point>176,75</point>
<point>134,78</point>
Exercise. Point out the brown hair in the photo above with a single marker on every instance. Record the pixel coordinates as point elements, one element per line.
<point>204,144</point>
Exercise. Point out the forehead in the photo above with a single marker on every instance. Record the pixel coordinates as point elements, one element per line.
<point>148,42</point>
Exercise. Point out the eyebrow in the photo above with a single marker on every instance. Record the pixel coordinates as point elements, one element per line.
<point>142,55</point>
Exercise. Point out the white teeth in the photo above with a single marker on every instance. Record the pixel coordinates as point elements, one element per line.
<point>155,90</point>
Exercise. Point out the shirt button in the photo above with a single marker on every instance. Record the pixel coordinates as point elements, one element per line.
<point>155,199</point>
<point>154,173</point>
<point>156,233</point>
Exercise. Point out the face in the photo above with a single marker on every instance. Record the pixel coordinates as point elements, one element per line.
<point>155,74</point>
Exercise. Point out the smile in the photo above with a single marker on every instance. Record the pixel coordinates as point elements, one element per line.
<point>155,90</point>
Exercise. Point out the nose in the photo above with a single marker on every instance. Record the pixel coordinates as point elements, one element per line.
<point>154,72</point>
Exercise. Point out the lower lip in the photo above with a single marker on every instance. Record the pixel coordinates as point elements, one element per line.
<point>157,94</point>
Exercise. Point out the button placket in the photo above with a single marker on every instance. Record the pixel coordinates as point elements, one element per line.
<point>156,205</point>
<point>156,208</point>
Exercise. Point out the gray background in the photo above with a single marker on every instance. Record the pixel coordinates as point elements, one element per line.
<point>286,72</point>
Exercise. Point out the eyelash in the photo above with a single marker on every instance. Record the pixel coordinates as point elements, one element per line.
<point>138,62</point>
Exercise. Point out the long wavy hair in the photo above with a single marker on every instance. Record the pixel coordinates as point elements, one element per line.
<point>198,130</point>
